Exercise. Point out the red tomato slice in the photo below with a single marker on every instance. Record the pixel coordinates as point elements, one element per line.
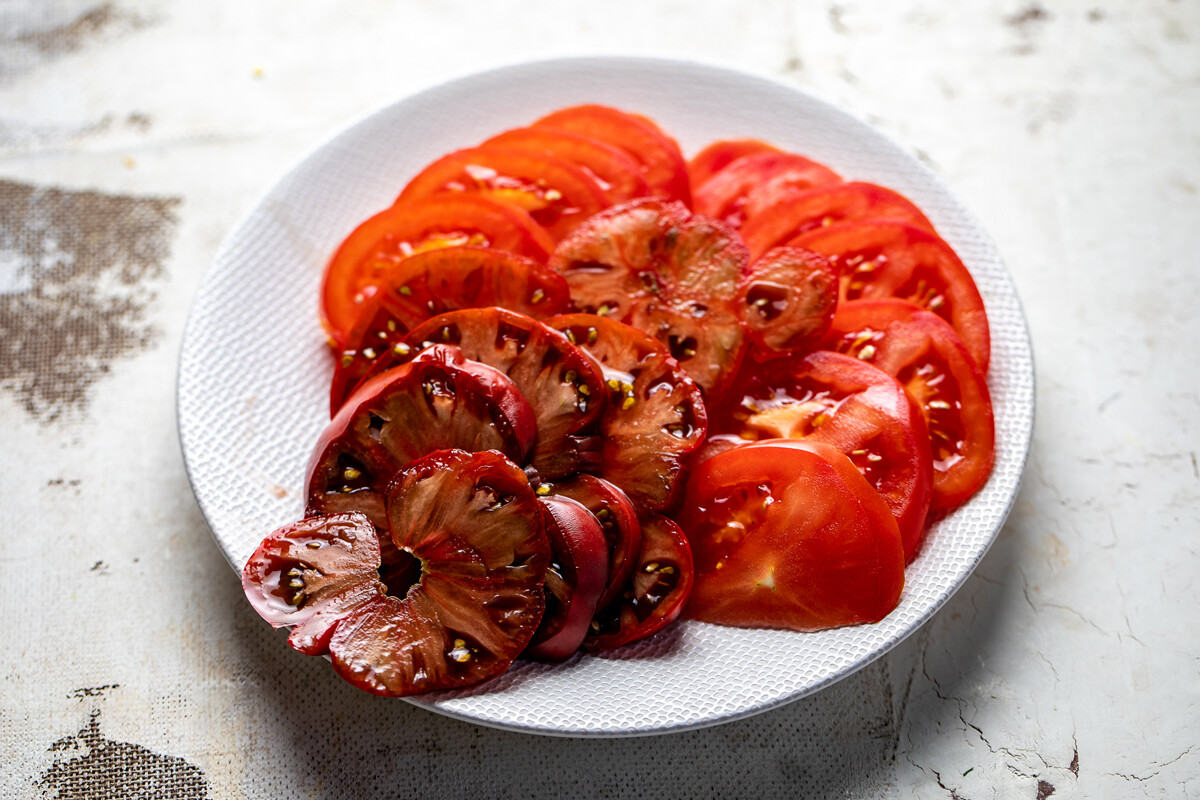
<point>370,252</point>
<point>850,404</point>
<point>471,528</point>
<point>790,536</point>
<point>618,521</point>
<point>923,352</point>
<point>616,173</point>
<point>661,161</point>
<point>755,181</point>
<point>793,214</point>
<point>655,593</point>
<point>787,300</point>
<point>433,282</point>
<point>718,155</point>
<point>893,259</point>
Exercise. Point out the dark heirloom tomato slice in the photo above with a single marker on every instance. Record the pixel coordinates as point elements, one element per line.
<point>311,573</point>
<point>370,252</point>
<point>661,161</point>
<point>555,192</point>
<point>754,181</point>
<point>793,214</point>
<point>560,382</point>
<point>440,400</point>
<point>433,282</point>
<point>787,300</point>
<point>655,593</point>
<point>651,264</point>
<point>471,527</point>
<point>655,413</point>
<point>923,352</point>
<point>618,520</point>
<point>893,259</point>
<point>577,574</point>
<point>718,155</point>
<point>789,536</point>
<point>842,401</point>
<point>619,176</point>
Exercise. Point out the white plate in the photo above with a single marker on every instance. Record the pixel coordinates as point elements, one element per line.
<point>254,372</point>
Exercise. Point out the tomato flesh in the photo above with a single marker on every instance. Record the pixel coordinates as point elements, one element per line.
<point>718,155</point>
<point>754,181</point>
<point>618,520</point>
<point>618,175</point>
<point>787,301</point>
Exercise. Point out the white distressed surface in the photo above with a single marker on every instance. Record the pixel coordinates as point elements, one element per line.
<point>1069,661</point>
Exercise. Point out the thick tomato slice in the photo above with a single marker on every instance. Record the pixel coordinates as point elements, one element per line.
<point>925,354</point>
<point>787,300</point>
<point>370,252</point>
<point>655,593</point>
<point>556,193</point>
<point>718,155</point>
<point>845,402</point>
<point>575,579</point>
<point>793,214</point>
<point>790,536</point>
<point>618,520</point>
<point>653,265</point>
<point>655,414</point>
<point>894,259</point>
<point>754,181</point>
<point>619,176</point>
<point>312,573</point>
<point>661,161</point>
<point>470,527</point>
<point>433,282</point>
<point>437,401</point>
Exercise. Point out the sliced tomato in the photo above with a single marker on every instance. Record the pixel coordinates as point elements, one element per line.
<point>471,527</point>
<point>718,155</point>
<point>790,536</point>
<point>655,414</point>
<point>754,181</point>
<point>661,161</point>
<point>924,353</point>
<point>655,593</point>
<point>790,215</point>
<point>850,404</point>
<point>651,264</point>
<point>619,176</point>
<point>433,282</point>
<point>575,579</point>
<point>894,259</point>
<point>787,300</point>
<point>375,247</point>
<point>618,520</point>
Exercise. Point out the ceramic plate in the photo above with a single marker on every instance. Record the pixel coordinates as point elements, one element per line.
<point>254,374</point>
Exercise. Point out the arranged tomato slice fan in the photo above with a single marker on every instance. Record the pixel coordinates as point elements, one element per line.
<point>793,214</point>
<point>655,413</point>
<point>653,265</point>
<point>375,247</point>
<point>439,400</point>
<point>618,175</point>
<point>556,193</point>
<point>661,161</point>
<point>894,259</point>
<point>618,520</point>
<point>790,536</point>
<point>575,578</point>
<point>755,181</point>
<point>787,300</point>
<point>849,404</point>
<point>433,282</point>
<point>718,155</point>
<point>471,527</point>
<point>924,353</point>
<point>655,593</point>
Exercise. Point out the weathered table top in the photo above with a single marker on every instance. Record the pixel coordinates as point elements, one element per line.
<point>134,134</point>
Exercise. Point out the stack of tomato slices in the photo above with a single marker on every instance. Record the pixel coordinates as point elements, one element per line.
<point>583,386</point>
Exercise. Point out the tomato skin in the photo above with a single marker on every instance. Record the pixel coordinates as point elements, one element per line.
<point>881,258</point>
<point>718,155</point>
<point>618,522</point>
<point>787,300</point>
<point>790,537</point>
<point>619,176</point>
<point>754,181</point>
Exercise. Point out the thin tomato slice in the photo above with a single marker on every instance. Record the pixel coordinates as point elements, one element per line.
<point>924,353</point>
<point>787,300</point>
<point>893,259</point>
<point>619,176</point>
<point>375,247</point>
<point>754,181</point>
<point>790,536</point>
<point>718,155</point>
<point>618,521</point>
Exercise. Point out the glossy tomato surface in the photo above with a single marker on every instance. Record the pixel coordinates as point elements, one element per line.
<point>786,301</point>
<point>618,175</point>
<point>755,181</point>
<point>619,523</point>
